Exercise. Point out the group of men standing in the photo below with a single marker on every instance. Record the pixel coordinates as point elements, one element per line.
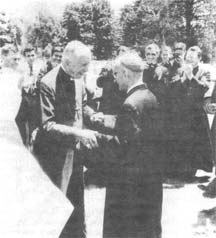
<point>134,197</point>
<point>180,86</point>
<point>160,128</point>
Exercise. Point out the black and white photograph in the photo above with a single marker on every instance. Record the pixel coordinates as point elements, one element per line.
<point>107,119</point>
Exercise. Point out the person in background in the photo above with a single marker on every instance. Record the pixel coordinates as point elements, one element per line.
<point>134,198</point>
<point>210,103</point>
<point>47,52</point>
<point>197,84</point>
<point>10,57</point>
<point>175,106</point>
<point>111,98</point>
<point>166,56</point>
<point>154,74</point>
<point>54,60</point>
<point>191,142</point>
<point>155,77</point>
<point>27,116</point>
<point>210,108</point>
<point>178,60</point>
<point>30,68</point>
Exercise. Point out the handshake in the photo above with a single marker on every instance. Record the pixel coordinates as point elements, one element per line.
<point>89,138</point>
<point>97,118</point>
<point>104,121</point>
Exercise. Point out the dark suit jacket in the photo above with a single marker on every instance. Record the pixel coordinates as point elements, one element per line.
<point>139,129</point>
<point>133,201</point>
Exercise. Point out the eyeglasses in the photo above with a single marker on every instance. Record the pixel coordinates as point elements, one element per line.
<point>28,56</point>
<point>16,59</point>
<point>151,54</point>
<point>178,49</point>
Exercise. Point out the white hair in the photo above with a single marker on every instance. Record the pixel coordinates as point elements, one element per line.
<point>75,48</point>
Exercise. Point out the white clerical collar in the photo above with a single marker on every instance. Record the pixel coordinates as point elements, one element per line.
<point>135,85</point>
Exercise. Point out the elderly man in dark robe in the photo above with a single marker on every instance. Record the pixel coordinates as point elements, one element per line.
<point>134,198</point>
<point>189,126</point>
<point>62,106</point>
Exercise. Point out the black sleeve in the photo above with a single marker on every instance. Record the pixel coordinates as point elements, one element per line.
<point>47,116</point>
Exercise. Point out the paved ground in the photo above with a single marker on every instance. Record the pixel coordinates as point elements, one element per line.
<point>186,213</point>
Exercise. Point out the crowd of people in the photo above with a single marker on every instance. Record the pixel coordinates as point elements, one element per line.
<point>149,126</point>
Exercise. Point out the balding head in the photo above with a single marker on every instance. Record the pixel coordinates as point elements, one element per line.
<point>128,70</point>
<point>76,58</point>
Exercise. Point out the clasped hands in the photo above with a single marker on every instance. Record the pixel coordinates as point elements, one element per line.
<point>97,118</point>
<point>88,138</point>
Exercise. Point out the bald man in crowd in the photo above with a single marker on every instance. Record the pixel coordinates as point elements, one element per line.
<point>134,199</point>
<point>62,102</point>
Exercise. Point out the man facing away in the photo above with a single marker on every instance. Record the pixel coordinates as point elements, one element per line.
<point>62,104</point>
<point>134,199</point>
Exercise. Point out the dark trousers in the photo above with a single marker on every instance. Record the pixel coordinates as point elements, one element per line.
<point>27,116</point>
<point>133,210</point>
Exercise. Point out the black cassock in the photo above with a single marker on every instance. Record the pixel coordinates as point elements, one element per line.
<point>189,145</point>
<point>134,194</point>
<point>63,105</point>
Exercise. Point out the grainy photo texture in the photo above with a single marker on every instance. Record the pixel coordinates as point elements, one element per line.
<point>107,119</point>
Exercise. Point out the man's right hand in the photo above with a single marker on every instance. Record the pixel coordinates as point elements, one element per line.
<point>88,138</point>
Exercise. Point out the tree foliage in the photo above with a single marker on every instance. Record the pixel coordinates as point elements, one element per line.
<point>139,23</point>
<point>10,32</point>
<point>191,21</point>
<point>144,20</point>
<point>91,22</point>
<point>45,30</point>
